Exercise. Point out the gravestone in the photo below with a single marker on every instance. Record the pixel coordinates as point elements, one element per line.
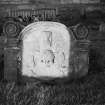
<point>49,50</point>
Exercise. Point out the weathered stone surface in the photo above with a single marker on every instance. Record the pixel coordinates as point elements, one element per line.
<point>46,47</point>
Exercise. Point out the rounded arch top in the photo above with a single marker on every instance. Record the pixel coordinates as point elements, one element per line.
<point>42,26</point>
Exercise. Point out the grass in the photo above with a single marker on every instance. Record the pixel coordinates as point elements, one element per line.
<point>89,90</point>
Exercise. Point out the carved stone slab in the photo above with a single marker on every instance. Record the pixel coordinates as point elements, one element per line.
<point>45,50</point>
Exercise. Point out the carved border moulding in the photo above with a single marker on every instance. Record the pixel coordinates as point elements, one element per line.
<point>44,13</point>
<point>46,51</point>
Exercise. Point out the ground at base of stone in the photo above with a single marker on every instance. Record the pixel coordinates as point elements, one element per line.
<point>89,90</point>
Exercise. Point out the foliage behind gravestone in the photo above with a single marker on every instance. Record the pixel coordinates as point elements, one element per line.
<point>69,16</point>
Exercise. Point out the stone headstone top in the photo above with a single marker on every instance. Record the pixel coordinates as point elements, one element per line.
<point>45,50</point>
